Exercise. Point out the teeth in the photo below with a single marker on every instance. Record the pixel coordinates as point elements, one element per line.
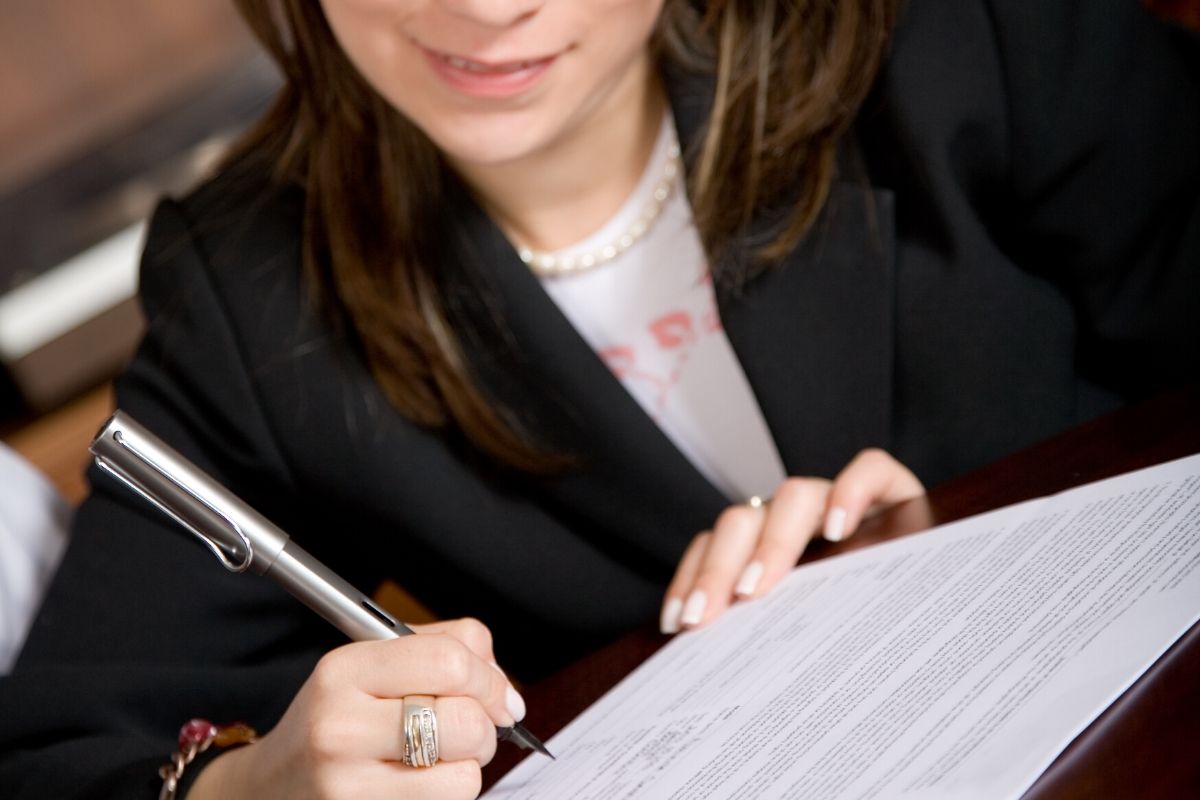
<point>475,66</point>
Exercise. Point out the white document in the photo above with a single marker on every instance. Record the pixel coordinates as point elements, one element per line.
<point>955,663</point>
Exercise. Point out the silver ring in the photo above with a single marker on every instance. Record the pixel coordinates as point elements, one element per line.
<point>420,731</point>
<point>758,501</point>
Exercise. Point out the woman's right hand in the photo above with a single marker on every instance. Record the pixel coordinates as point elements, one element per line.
<point>343,734</point>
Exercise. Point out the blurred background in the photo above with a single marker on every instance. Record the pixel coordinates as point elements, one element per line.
<point>106,106</point>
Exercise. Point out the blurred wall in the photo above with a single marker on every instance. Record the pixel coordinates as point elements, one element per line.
<point>106,107</point>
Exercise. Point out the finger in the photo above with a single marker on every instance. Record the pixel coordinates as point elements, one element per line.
<point>471,632</point>
<point>685,576</point>
<point>793,517</point>
<point>873,479</point>
<point>475,635</point>
<point>729,548</point>
<point>431,664</point>
<point>376,731</point>
<point>465,730</point>
<point>453,780</point>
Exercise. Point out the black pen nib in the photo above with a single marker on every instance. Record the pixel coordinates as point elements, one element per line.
<point>523,739</point>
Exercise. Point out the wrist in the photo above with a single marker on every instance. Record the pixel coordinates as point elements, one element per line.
<point>195,738</point>
<point>223,776</point>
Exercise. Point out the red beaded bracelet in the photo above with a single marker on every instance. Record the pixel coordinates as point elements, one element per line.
<point>195,737</point>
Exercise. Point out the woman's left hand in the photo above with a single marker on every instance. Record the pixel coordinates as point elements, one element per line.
<point>751,547</point>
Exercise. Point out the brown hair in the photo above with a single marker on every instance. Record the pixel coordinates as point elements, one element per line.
<point>788,79</point>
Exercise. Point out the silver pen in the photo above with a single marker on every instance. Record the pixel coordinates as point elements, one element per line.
<point>244,540</point>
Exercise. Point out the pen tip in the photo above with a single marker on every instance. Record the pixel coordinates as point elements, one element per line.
<point>518,735</point>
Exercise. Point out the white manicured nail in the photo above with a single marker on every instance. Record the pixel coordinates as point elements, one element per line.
<point>835,524</point>
<point>748,583</point>
<point>512,698</point>
<point>668,622</point>
<point>515,703</point>
<point>693,611</point>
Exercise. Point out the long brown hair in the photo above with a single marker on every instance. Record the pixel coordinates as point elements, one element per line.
<point>788,77</point>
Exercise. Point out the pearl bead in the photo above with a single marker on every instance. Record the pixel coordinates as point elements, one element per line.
<point>550,265</point>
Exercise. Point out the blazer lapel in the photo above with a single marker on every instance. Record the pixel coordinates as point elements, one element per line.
<point>814,335</point>
<point>814,332</point>
<point>631,485</point>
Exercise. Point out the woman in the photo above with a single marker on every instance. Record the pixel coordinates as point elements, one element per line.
<point>446,318</point>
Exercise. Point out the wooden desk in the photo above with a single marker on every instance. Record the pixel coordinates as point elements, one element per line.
<point>1146,745</point>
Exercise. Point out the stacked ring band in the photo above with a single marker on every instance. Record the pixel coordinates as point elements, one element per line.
<point>420,731</point>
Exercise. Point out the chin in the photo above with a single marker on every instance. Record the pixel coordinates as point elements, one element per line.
<point>490,143</point>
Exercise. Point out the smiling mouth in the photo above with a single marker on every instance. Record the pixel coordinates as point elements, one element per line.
<point>485,68</point>
<point>491,69</point>
<point>489,80</point>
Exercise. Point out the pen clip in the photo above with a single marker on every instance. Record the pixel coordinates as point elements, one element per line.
<point>233,557</point>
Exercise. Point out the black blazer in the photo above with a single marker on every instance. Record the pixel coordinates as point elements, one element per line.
<point>1013,248</point>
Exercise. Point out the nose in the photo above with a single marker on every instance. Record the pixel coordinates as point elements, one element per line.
<point>494,13</point>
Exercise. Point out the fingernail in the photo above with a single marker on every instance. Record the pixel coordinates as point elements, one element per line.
<point>669,621</point>
<point>512,698</point>
<point>693,611</point>
<point>515,703</point>
<point>748,583</point>
<point>835,524</point>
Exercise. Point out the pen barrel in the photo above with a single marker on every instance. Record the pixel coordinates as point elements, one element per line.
<point>322,590</point>
<point>237,534</point>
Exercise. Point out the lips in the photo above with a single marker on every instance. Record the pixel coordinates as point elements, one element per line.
<point>488,79</point>
<point>490,69</point>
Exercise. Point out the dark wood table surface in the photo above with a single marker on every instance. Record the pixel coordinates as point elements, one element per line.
<point>1146,745</point>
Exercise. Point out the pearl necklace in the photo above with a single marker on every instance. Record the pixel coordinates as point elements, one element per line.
<point>550,265</point>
